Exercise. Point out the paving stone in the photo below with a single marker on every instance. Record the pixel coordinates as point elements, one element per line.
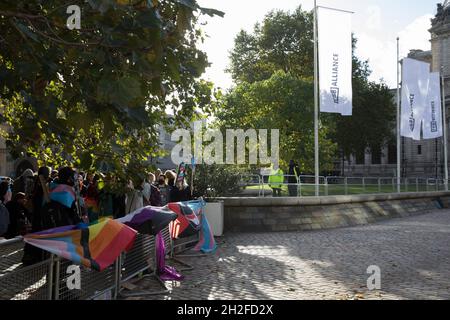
<point>413,254</point>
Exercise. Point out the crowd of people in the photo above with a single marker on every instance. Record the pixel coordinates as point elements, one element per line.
<point>53,198</point>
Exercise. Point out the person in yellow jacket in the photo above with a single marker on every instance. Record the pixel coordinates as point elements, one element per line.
<point>276,181</point>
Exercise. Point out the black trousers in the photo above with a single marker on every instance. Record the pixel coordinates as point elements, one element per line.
<point>292,190</point>
<point>276,192</point>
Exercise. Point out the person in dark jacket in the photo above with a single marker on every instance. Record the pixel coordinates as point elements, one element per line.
<point>67,205</point>
<point>39,198</point>
<point>294,173</point>
<point>18,216</point>
<point>155,197</point>
<point>181,192</point>
<point>171,177</point>
<point>4,214</point>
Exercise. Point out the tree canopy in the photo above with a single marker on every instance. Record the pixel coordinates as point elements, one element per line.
<point>94,95</point>
<point>273,70</point>
<point>282,102</point>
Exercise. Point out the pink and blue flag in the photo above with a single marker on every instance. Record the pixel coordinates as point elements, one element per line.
<point>207,243</point>
<point>62,194</point>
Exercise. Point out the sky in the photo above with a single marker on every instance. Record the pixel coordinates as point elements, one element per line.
<point>375,23</point>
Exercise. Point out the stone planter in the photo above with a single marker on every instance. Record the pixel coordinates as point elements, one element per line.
<point>214,212</point>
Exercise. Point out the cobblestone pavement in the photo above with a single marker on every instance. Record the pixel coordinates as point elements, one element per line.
<point>413,254</point>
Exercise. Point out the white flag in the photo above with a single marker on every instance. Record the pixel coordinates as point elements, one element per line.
<point>414,97</point>
<point>335,61</point>
<point>432,121</point>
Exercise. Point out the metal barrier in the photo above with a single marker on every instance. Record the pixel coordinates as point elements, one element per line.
<point>252,180</point>
<point>49,279</point>
<point>93,283</point>
<point>335,185</point>
<point>141,258</point>
<point>23,283</point>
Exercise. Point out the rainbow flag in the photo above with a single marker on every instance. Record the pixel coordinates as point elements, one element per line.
<point>95,247</point>
<point>62,194</point>
<point>93,210</point>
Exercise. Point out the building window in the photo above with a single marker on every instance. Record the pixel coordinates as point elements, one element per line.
<point>392,154</point>
<point>376,156</point>
<point>360,158</point>
<point>419,150</point>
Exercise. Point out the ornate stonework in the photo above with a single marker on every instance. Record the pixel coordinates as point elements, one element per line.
<point>443,14</point>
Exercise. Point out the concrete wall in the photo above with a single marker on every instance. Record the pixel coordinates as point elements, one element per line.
<point>302,214</point>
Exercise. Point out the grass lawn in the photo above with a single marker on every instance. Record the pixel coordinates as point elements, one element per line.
<point>333,189</point>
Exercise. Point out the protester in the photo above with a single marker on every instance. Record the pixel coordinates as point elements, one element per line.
<point>146,192</point>
<point>164,190</point>
<point>24,183</point>
<point>19,224</point>
<point>157,174</point>
<point>151,178</point>
<point>171,177</point>
<point>39,198</point>
<point>4,213</point>
<point>62,209</point>
<point>134,198</point>
<point>181,192</point>
<point>155,197</point>
<point>82,188</point>
<point>54,174</point>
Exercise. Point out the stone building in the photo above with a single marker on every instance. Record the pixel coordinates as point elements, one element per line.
<point>6,161</point>
<point>419,158</point>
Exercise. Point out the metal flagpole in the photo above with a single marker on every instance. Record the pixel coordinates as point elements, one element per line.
<point>399,172</point>
<point>316,105</point>
<point>444,119</point>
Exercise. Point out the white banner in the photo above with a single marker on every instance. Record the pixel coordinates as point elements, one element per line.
<point>432,121</point>
<point>414,97</point>
<point>335,61</point>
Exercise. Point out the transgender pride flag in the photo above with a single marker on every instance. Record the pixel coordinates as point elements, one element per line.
<point>62,194</point>
<point>207,243</point>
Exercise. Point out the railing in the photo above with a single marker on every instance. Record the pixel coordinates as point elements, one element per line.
<point>252,180</point>
<point>48,280</point>
<point>335,185</point>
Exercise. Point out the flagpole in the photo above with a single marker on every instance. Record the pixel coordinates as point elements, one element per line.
<point>399,172</point>
<point>444,119</point>
<point>316,106</point>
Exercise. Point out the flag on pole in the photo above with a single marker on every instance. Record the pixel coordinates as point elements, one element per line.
<point>432,122</point>
<point>415,80</point>
<point>335,61</point>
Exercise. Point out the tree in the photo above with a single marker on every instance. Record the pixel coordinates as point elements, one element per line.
<point>282,102</point>
<point>284,41</point>
<point>279,53</point>
<point>94,95</point>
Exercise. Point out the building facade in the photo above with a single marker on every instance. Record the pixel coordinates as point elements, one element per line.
<point>6,161</point>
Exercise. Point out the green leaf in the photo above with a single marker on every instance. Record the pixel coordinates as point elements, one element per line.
<point>86,160</point>
<point>173,65</point>
<point>126,91</point>
<point>212,12</point>
<point>148,19</point>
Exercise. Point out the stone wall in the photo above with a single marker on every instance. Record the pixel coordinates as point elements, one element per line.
<point>304,214</point>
